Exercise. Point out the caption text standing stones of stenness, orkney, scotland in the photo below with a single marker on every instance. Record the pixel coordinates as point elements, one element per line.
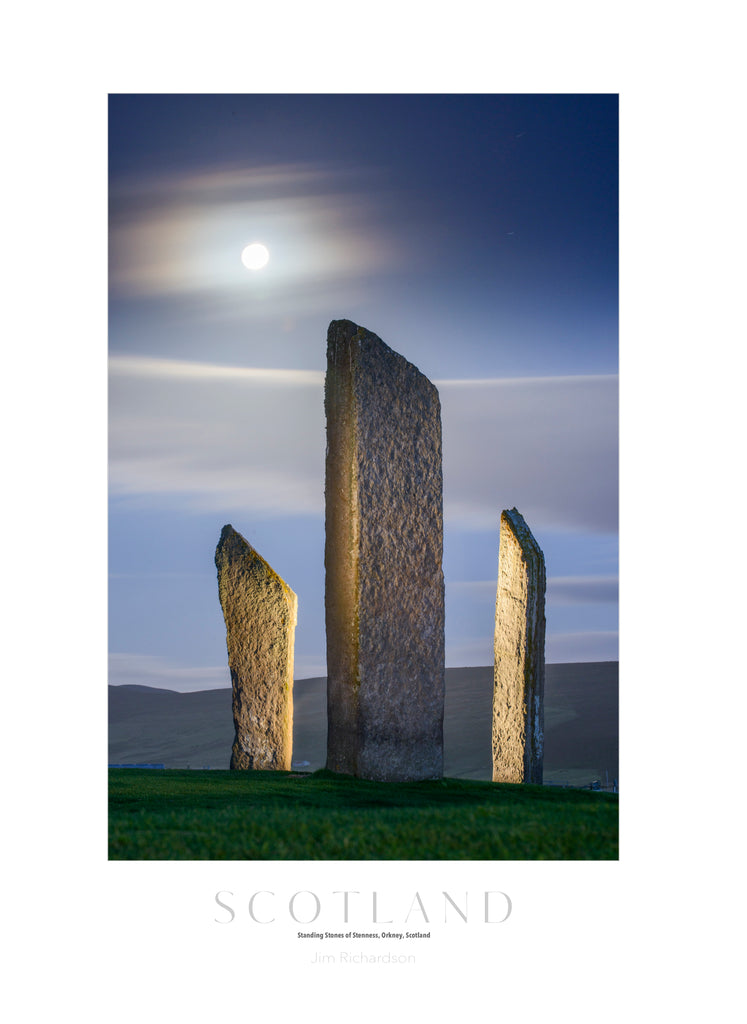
<point>384,585</point>
<point>519,667</point>
<point>260,612</point>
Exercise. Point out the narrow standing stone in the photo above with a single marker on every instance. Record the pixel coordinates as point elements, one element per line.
<point>519,673</point>
<point>260,611</point>
<point>384,590</point>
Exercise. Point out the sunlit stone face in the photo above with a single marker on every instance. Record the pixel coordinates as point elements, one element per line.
<point>384,588</point>
<point>260,611</point>
<point>519,655</point>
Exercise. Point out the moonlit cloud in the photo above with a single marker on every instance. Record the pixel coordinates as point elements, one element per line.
<point>185,236</point>
<point>229,180</point>
<point>546,445</point>
<point>146,366</point>
<point>218,437</point>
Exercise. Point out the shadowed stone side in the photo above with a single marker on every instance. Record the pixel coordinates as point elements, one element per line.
<point>260,612</point>
<point>384,589</point>
<point>519,673</point>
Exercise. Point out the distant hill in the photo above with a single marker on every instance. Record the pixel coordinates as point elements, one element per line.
<point>195,730</point>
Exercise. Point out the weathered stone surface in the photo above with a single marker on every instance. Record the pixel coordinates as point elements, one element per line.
<point>260,611</point>
<point>519,666</point>
<point>384,596</point>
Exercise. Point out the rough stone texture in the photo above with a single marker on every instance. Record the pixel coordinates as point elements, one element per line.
<point>260,611</point>
<point>384,596</point>
<point>519,666</point>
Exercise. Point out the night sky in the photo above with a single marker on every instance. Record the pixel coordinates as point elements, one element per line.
<point>476,235</point>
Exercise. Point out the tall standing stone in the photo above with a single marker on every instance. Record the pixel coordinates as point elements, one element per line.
<point>260,611</point>
<point>519,667</point>
<point>384,592</point>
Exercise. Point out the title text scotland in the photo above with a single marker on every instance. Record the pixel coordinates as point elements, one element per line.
<point>345,905</point>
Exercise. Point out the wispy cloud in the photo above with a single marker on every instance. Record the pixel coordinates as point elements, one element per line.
<point>218,437</point>
<point>591,645</point>
<point>160,575</point>
<point>560,589</point>
<point>227,437</point>
<point>547,445</point>
<point>470,617</point>
<point>174,369</point>
<point>473,586</point>
<point>582,589</point>
<point>512,382</point>
<point>588,645</point>
<point>223,182</point>
<point>162,673</point>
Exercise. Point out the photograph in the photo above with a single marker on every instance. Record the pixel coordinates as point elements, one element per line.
<point>363,476</point>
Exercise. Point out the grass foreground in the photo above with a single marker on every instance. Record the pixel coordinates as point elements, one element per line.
<point>171,814</point>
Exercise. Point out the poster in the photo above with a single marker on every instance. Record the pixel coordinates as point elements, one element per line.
<point>151,938</point>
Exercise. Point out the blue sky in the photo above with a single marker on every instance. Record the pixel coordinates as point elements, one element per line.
<point>476,235</point>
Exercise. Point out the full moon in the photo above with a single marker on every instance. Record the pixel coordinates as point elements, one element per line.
<point>255,256</point>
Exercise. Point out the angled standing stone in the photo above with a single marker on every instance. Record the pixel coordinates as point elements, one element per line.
<point>384,591</point>
<point>519,673</point>
<point>260,612</point>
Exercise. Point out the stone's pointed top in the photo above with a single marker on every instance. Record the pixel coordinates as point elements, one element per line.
<point>233,546</point>
<point>521,531</point>
<point>343,331</point>
<point>229,536</point>
<point>343,325</point>
<point>344,336</point>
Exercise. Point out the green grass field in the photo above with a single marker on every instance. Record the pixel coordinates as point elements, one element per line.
<point>225,815</point>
